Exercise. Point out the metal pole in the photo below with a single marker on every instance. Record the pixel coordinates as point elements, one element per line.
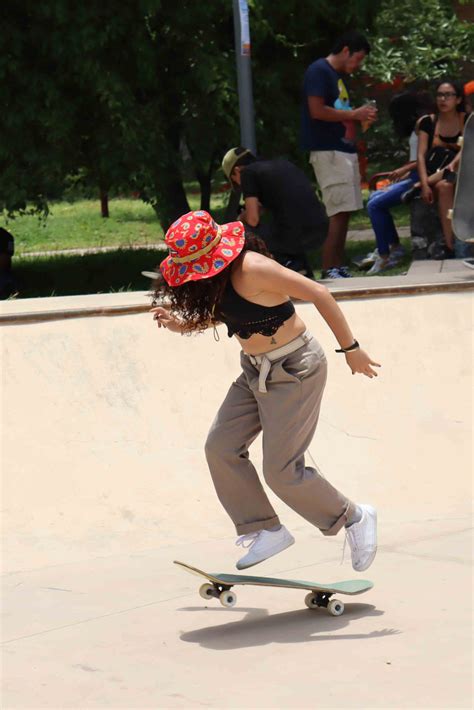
<point>244,75</point>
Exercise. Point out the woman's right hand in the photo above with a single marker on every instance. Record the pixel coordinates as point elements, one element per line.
<point>164,319</point>
<point>398,174</point>
<point>427,194</point>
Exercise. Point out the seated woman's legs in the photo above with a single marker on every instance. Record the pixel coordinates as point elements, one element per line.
<point>444,192</point>
<point>378,207</point>
<point>386,235</point>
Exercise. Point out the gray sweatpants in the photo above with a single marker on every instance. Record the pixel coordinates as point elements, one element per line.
<point>287,414</point>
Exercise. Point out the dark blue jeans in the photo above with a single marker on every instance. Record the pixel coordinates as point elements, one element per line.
<point>378,207</point>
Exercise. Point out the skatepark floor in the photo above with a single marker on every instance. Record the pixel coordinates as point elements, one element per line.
<point>105,483</point>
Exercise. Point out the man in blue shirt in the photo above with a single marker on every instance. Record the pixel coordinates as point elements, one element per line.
<point>328,132</point>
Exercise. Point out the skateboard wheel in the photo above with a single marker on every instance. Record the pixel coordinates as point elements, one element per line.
<point>450,214</point>
<point>335,607</point>
<point>311,601</point>
<point>228,599</point>
<point>206,591</point>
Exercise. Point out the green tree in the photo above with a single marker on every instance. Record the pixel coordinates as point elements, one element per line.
<point>122,93</point>
<point>419,40</point>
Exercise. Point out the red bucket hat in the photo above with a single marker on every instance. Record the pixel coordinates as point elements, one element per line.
<point>200,248</point>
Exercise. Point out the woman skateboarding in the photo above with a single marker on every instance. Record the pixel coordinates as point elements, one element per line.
<point>221,274</point>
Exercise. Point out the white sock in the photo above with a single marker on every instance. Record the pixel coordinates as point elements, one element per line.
<point>275,528</point>
<point>355,518</point>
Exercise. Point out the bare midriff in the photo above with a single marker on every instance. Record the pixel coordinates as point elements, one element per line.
<point>258,344</point>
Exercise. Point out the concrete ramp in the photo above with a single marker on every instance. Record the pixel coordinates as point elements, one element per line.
<point>104,483</point>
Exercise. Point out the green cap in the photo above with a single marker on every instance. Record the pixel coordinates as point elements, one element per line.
<point>231,158</point>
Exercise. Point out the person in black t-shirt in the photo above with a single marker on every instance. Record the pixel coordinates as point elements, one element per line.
<point>298,219</point>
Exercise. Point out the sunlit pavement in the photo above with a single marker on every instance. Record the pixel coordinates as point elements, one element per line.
<point>105,484</point>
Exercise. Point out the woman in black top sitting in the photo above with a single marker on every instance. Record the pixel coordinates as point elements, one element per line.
<point>439,151</point>
<point>219,273</point>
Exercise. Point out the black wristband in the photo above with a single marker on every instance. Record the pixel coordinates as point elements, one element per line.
<point>352,347</point>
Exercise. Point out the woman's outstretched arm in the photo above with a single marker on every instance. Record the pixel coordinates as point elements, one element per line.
<point>268,275</point>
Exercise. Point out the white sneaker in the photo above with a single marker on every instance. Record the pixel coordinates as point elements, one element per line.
<point>369,259</point>
<point>381,263</point>
<point>362,539</point>
<point>262,545</point>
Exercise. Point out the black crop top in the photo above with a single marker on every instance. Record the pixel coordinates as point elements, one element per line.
<point>428,125</point>
<point>246,318</point>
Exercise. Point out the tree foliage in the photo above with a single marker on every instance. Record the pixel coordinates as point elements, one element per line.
<point>137,95</point>
<point>419,40</point>
<point>112,91</point>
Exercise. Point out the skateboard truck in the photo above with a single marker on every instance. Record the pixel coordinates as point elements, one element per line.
<point>312,600</point>
<point>323,599</point>
<point>219,591</point>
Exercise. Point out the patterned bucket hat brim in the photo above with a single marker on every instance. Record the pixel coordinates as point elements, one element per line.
<point>199,248</point>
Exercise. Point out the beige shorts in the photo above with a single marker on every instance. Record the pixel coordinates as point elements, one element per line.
<point>338,177</point>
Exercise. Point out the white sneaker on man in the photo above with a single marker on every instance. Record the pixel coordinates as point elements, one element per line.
<point>362,538</point>
<point>262,545</point>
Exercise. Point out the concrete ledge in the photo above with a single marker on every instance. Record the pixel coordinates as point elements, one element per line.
<point>425,267</point>
<point>424,277</point>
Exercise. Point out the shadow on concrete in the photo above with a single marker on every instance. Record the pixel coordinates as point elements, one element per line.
<point>258,628</point>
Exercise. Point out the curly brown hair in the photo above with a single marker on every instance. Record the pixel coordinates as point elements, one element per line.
<point>197,302</point>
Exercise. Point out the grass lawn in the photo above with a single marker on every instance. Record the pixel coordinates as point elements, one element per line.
<point>79,224</point>
<point>131,223</point>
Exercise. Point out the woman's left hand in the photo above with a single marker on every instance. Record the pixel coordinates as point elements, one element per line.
<point>360,362</point>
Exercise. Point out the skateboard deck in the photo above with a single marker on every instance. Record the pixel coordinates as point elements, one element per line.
<point>219,586</point>
<point>463,208</point>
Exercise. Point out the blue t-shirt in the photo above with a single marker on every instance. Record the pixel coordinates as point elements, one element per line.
<point>322,80</point>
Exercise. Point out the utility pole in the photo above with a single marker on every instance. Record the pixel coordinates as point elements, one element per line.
<point>244,75</point>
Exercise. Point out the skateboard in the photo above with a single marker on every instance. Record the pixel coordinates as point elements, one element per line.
<point>462,213</point>
<point>219,586</point>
